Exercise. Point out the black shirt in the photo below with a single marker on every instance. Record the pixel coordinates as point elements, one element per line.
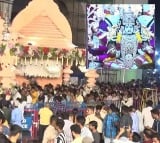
<point>156,126</point>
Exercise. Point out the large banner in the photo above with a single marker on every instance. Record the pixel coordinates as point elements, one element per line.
<point>120,36</point>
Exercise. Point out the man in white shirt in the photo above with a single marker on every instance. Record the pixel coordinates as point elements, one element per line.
<point>92,117</point>
<point>146,113</point>
<point>135,119</point>
<point>85,132</point>
<point>50,132</point>
<point>140,117</point>
<point>67,127</point>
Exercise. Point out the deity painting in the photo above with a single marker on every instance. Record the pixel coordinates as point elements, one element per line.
<point>120,36</point>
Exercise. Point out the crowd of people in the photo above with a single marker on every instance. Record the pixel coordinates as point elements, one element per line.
<point>79,114</point>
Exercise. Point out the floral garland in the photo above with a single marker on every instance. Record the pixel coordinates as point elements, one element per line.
<point>43,52</point>
<point>2,49</point>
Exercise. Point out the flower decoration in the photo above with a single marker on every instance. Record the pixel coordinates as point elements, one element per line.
<point>49,55</point>
<point>44,52</point>
<point>62,53</point>
<point>25,50</point>
<point>2,49</point>
<point>13,51</point>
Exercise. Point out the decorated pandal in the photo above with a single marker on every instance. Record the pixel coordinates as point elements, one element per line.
<point>30,49</point>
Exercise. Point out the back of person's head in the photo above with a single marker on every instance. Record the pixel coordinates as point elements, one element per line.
<point>113,108</point>
<point>149,103</point>
<point>15,129</point>
<point>155,111</point>
<point>81,120</point>
<point>131,108</point>
<point>148,133</point>
<point>58,98</point>
<point>91,108</point>
<point>4,139</point>
<point>136,137</point>
<point>75,128</point>
<point>156,138</point>
<point>65,115</point>
<point>125,109</point>
<point>75,111</point>
<point>2,118</point>
<point>53,118</point>
<point>98,107</point>
<point>94,124</point>
<point>60,123</point>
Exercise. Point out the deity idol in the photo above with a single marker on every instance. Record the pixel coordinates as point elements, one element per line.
<point>124,40</point>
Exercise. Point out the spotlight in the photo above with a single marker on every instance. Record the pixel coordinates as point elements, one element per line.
<point>158,61</point>
<point>154,71</point>
<point>156,53</point>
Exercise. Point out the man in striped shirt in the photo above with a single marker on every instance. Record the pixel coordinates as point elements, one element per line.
<point>61,138</point>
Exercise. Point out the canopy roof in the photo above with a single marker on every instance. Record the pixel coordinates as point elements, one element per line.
<point>42,24</point>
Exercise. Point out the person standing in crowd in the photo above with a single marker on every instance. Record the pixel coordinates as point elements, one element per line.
<point>140,118</point>
<point>7,111</point>
<point>92,117</point>
<point>156,138</point>
<point>147,135</point>
<point>135,119</point>
<point>4,139</point>
<point>98,111</point>
<point>76,133</point>
<point>17,115</point>
<point>127,99</point>
<point>110,124</point>
<point>15,133</point>
<point>34,94</point>
<point>50,132</point>
<point>156,123</point>
<point>93,127</point>
<point>125,123</point>
<point>58,106</point>
<point>79,96</point>
<point>29,98</point>
<point>21,105</point>
<point>67,130</point>
<point>85,132</point>
<point>61,138</point>
<point>3,129</point>
<point>135,137</point>
<point>45,114</point>
<point>146,113</point>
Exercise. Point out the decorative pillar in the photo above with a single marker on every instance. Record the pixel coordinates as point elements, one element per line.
<point>7,73</point>
<point>91,74</point>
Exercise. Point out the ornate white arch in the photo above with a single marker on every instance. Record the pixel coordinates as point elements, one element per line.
<point>46,8</point>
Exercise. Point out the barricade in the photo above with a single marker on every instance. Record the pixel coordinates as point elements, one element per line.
<point>30,124</point>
